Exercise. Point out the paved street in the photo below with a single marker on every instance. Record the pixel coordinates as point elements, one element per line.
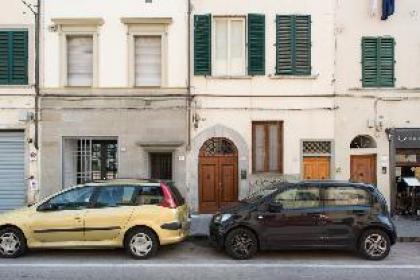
<point>195,260</point>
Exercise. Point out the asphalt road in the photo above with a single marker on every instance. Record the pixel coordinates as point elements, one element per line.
<point>196,260</point>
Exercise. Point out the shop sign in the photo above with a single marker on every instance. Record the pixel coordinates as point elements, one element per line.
<point>407,138</point>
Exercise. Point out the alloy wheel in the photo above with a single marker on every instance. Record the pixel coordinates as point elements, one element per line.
<point>375,245</point>
<point>9,243</point>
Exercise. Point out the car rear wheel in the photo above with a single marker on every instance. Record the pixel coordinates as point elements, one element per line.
<point>141,243</point>
<point>374,244</point>
<point>12,243</point>
<point>241,244</point>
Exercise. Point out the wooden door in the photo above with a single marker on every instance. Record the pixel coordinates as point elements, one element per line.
<point>218,176</point>
<point>363,169</point>
<point>316,168</point>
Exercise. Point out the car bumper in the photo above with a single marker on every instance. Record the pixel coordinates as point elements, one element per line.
<point>217,235</point>
<point>175,235</point>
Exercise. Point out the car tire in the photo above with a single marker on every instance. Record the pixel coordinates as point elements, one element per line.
<point>141,243</point>
<point>12,243</point>
<point>241,244</point>
<point>374,245</point>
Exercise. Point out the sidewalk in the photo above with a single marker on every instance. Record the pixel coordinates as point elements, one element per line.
<point>408,229</point>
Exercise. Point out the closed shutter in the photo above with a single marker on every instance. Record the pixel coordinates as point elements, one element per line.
<point>386,62</point>
<point>378,62</point>
<point>202,45</point>
<point>79,60</point>
<point>13,57</point>
<point>293,45</point>
<point>148,60</point>
<point>12,170</point>
<point>256,44</point>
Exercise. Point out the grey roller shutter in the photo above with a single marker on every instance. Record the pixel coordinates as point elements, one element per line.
<point>12,170</point>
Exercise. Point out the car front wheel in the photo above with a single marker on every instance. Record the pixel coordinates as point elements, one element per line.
<point>374,245</point>
<point>141,243</point>
<point>241,244</point>
<point>12,243</point>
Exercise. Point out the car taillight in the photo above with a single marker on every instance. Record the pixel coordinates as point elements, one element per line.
<point>168,200</point>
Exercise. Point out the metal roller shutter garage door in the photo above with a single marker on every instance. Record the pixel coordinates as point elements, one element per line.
<point>12,170</point>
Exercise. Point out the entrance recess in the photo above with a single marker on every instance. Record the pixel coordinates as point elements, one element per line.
<point>218,175</point>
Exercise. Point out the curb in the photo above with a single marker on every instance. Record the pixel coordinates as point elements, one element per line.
<point>408,239</point>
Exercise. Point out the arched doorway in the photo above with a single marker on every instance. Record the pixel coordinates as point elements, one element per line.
<point>363,165</point>
<point>217,174</point>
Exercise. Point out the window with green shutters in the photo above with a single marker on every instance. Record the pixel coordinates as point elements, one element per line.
<point>202,45</point>
<point>293,45</point>
<point>13,57</point>
<point>256,44</point>
<point>378,62</point>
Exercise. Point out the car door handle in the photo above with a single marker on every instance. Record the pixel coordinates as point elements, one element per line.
<point>78,218</point>
<point>360,212</point>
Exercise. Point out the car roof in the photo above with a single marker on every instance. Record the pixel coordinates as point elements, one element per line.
<point>122,182</point>
<point>336,182</point>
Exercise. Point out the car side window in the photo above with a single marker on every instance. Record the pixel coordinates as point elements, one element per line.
<point>114,196</point>
<point>346,196</point>
<point>75,199</point>
<point>299,197</point>
<point>149,195</point>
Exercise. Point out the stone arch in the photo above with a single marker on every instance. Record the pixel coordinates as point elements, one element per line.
<point>363,142</point>
<point>197,143</point>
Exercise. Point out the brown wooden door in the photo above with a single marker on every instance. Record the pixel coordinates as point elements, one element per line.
<point>218,175</point>
<point>363,168</point>
<point>218,182</point>
<point>316,168</point>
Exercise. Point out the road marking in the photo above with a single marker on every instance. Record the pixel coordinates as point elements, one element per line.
<point>206,265</point>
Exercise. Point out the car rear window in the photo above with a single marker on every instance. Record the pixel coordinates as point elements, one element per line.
<point>179,199</point>
<point>346,196</point>
<point>149,195</point>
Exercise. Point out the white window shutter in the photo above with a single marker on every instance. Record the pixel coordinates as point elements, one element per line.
<point>79,60</point>
<point>148,52</point>
<point>237,48</point>
<point>221,48</point>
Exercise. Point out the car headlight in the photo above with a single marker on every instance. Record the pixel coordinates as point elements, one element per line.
<point>221,218</point>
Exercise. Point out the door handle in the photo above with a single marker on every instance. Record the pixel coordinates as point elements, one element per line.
<point>360,212</point>
<point>78,218</point>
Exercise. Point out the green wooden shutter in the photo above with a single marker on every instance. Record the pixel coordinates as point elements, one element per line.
<point>378,62</point>
<point>4,57</point>
<point>256,44</point>
<point>302,45</point>
<point>386,62</point>
<point>202,45</point>
<point>284,41</point>
<point>13,57</point>
<point>293,45</point>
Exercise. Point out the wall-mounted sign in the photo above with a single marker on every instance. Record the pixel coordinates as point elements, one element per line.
<point>407,138</point>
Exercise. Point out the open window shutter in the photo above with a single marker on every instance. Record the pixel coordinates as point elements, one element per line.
<point>302,45</point>
<point>4,57</point>
<point>284,42</point>
<point>386,62</point>
<point>370,62</point>
<point>19,62</point>
<point>256,44</point>
<point>202,45</point>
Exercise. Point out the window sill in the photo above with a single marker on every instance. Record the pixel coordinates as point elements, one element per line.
<point>16,86</point>
<point>293,77</point>
<point>229,77</point>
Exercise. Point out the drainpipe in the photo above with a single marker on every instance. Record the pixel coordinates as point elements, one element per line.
<point>37,56</point>
<point>189,97</point>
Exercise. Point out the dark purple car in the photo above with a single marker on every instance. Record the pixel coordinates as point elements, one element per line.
<point>307,215</point>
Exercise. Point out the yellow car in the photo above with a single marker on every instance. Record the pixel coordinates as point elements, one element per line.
<point>138,215</point>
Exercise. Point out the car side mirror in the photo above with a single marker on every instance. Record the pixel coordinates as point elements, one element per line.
<point>47,207</point>
<point>275,207</point>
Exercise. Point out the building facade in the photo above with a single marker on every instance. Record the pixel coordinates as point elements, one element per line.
<point>18,153</point>
<point>378,90</point>
<point>113,91</point>
<point>263,97</point>
<point>224,98</point>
